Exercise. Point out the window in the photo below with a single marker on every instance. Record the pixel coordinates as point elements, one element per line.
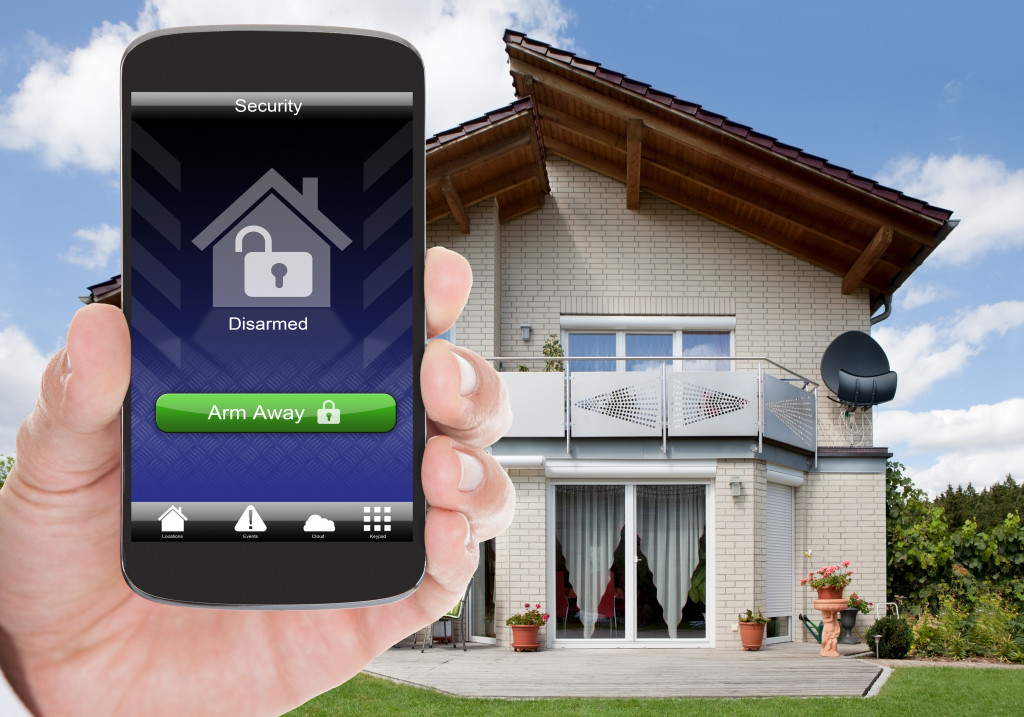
<point>704,345</point>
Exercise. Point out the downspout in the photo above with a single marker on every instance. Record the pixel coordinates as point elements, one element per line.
<point>921,255</point>
<point>887,299</point>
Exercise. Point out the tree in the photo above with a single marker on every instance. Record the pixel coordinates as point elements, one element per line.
<point>6,462</point>
<point>988,508</point>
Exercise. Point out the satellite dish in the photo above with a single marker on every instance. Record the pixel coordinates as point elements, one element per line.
<point>856,369</point>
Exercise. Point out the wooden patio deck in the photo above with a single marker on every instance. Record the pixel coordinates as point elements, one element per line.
<point>788,669</point>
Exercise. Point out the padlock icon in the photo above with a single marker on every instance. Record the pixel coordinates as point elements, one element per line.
<point>275,273</point>
<point>328,415</point>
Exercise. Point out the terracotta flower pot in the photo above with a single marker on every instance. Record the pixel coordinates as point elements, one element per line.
<point>524,637</point>
<point>830,593</point>
<point>751,635</point>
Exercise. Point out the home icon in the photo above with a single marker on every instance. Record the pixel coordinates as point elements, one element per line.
<point>272,246</point>
<point>172,521</point>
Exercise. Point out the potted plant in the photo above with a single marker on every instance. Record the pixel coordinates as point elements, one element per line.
<point>752,629</point>
<point>830,580</point>
<point>848,617</point>
<point>525,626</point>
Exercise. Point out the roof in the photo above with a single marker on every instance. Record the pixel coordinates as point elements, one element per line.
<point>106,292</point>
<point>714,119</point>
<point>870,234</point>
<point>574,108</point>
<point>499,155</point>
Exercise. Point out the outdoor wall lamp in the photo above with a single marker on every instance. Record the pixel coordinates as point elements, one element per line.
<point>525,326</point>
<point>737,487</point>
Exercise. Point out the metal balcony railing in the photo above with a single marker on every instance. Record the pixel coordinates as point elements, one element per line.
<point>768,401</point>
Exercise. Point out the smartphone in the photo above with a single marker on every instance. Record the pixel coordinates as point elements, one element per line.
<point>273,222</point>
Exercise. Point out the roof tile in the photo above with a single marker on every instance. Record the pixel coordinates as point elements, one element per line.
<point>520,106</point>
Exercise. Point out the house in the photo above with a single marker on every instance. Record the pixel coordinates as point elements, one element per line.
<point>686,461</point>
<point>277,217</point>
<point>172,520</point>
<point>656,499</point>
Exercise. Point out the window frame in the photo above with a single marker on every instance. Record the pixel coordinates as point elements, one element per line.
<point>676,326</point>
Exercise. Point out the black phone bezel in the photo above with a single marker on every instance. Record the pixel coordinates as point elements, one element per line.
<point>262,574</point>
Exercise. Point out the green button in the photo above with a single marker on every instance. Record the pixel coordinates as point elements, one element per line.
<point>275,413</point>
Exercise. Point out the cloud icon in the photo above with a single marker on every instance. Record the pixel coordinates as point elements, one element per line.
<point>316,524</point>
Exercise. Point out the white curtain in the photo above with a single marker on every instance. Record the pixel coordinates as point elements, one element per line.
<point>670,521</point>
<point>589,521</point>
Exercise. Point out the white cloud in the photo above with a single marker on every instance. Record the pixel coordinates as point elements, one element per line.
<point>923,354</point>
<point>99,244</point>
<point>66,107</point>
<point>21,367</point>
<point>978,445</point>
<point>983,427</point>
<point>979,189</point>
<point>913,297</point>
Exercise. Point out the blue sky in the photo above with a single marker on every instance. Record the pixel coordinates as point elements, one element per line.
<point>922,96</point>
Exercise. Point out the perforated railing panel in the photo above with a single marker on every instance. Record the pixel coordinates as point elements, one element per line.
<point>789,413</point>
<point>712,403</point>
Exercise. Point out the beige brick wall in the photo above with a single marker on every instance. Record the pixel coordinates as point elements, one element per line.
<point>585,253</point>
<point>478,327</point>
<point>840,516</point>
<point>520,554</point>
<point>741,555</point>
<point>584,248</point>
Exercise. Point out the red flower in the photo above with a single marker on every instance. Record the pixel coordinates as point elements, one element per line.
<point>537,606</point>
<point>526,604</point>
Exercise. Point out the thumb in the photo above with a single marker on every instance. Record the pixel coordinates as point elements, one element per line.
<point>73,436</point>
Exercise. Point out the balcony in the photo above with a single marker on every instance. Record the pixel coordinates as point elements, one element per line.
<point>765,402</point>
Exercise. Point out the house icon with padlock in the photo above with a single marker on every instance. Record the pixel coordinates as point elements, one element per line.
<point>272,246</point>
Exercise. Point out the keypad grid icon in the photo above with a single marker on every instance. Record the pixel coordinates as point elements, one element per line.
<point>376,518</point>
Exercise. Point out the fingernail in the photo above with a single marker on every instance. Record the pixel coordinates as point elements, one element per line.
<point>472,472</point>
<point>467,376</point>
<point>469,531</point>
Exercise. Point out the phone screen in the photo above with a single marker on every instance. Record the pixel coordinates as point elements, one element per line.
<point>270,299</point>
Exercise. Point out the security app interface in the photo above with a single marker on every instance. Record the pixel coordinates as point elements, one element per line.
<point>271,310</point>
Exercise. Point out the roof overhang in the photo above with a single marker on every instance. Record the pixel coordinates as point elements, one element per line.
<point>871,235</point>
<point>499,155</point>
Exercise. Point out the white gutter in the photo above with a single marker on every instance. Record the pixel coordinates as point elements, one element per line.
<point>520,461</point>
<point>630,469</point>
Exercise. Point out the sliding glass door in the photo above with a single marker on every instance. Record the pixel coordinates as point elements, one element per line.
<point>630,562</point>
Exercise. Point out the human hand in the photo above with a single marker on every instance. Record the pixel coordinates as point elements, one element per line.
<point>74,638</point>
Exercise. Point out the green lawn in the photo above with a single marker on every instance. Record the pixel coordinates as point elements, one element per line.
<point>909,691</point>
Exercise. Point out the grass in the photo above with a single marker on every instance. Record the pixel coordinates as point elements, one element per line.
<point>932,691</point>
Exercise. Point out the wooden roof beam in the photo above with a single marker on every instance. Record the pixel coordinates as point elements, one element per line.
<point>451,195</point>
<point>568,122</point>
<point>634,145</point>
<point>867,259</point>
<point>742,160</point>
<point>461,164</point>
<point>706,182</point>
<point>520,177</point>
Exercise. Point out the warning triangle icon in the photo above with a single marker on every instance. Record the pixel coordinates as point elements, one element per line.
<point>250,522</point>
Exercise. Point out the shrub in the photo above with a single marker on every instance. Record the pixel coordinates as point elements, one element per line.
<point>895,637</point>
<point>991,632</point>
<point>944,634</point>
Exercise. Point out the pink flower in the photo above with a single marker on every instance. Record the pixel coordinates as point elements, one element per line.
<point>537,606</point>
<point>846,563</point>
<point>526,604</point>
